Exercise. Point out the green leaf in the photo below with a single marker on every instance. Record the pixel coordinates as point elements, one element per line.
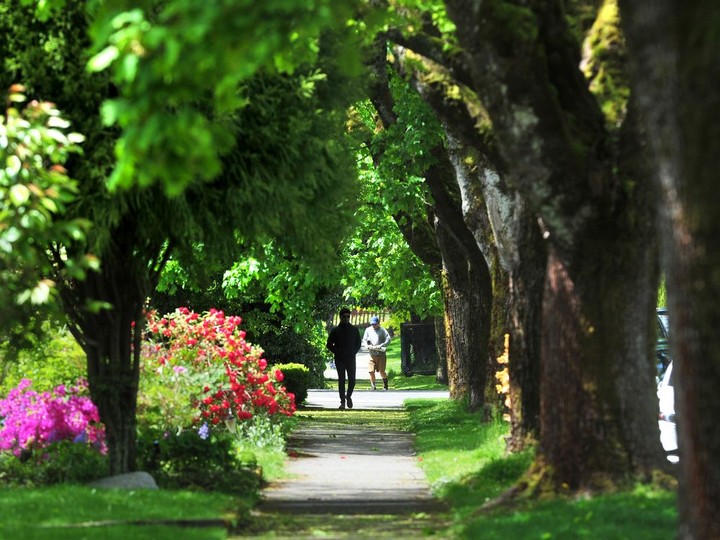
<point>76,138</point>
<point>110,111</point>
<point>104,58</point>
<point>96,306</point>
<point>57,122</point>
<point>13,165</point>
<point>41,293</point>
<point>49,204</point>
<point>19,194</point>
<point>11,235</point>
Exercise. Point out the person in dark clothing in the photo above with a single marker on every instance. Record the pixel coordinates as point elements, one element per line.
<point>344,342</point>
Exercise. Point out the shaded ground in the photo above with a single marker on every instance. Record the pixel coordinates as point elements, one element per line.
<point>350,479</point>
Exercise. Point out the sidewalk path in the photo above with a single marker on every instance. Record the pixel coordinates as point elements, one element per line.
<point>369,399</point>
<point>338,471</point>
<point>351,470</point>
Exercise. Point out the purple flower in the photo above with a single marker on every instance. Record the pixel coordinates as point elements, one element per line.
<point>204,431</point>
<point>32,421</point>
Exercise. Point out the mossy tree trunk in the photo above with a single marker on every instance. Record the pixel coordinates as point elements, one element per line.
<point>598,405</point>
<point>505,230</point>
<point>467,295</point>
<point>464,277</point>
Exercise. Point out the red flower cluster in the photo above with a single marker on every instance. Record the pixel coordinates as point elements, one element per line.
<point>211,345</point>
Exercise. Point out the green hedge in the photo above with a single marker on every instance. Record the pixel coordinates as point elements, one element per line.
<point>297,380</point>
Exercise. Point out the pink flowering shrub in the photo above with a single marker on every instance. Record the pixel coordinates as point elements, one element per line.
<point>32,421</point>
<point>204,360</point>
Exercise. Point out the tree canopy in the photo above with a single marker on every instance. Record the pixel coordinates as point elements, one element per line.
<point>538,150</point>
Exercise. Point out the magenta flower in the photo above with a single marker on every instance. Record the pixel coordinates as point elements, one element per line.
<point>32,421</point>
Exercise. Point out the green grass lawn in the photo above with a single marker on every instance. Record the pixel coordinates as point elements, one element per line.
<point>464,461</point>
<point>77,512</point>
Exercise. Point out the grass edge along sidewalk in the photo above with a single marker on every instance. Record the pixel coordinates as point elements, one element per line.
<point>465,463</point>
<point>374,490</point>
<point>463,460</point>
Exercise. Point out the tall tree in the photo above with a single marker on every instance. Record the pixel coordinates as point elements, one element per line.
<point>576,163</point>
<point>563,155</point>
<point>674,50</point>
<point>464,275</point>
<point>280,169</point>
<point>503,226</point>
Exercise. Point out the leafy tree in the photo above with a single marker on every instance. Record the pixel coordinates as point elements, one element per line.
<point>285,175</point>
<point>379,267</point>
<point>585,178</point>
<point>409,142</point>
<point>204,49</point>
<point>34,192</point>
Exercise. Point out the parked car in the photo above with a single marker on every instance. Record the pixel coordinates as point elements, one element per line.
<point>666,417</point>
<point>665,389</point>
<point>662,348</point>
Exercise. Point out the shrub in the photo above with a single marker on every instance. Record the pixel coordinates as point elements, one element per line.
<point>50,437</point>
<point>207,363</point>
<point>51,358</point>
<point>59,462</point>
<point>287,345</point>
<point>297,380</point>
<point>207,402</point>
<point>191,460</point>
<point>31,421</point>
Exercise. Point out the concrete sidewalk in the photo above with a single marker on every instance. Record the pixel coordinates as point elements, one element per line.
<point>352,469</point>
<point>369,399</point>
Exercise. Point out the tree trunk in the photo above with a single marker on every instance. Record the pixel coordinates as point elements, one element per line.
<point>595,426</point>
<point>468,299</point>
<point>111,337</point>
<point>441,375</point>
<point>467,287</point>
<point>598,424</point>
<point>526,290</point>
<point>676,74</point>
<point>504,229</point>
<point>465,279</point>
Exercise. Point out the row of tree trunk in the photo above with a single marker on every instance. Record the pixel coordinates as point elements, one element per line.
<point>580,208</point>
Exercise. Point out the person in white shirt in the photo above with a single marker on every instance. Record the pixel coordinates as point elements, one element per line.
<point>376,339</point>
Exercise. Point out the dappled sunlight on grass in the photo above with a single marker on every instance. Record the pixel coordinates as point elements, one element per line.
<point>466,464</point>
<point>454,444</point>
<point>642,515</point>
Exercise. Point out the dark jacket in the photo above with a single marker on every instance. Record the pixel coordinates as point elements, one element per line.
<point>344,342</point>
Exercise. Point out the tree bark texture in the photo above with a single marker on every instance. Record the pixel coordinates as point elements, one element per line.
<point>676,75</point>
<point>465,279</point>
<point>526,292</point>
<point>597,401</point>
<point>111,337</point>
<point>504,229</point>
<point>441,375</point>
<point>468,286</point>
